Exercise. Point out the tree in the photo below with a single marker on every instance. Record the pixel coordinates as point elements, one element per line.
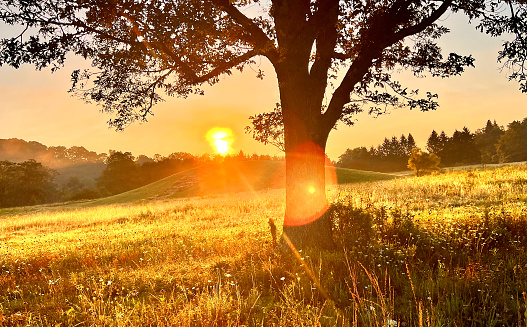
<point>141,49</point>
<point>152,171</point>
<point>26,183</point>
<point>442,146</point>
<point>357,158</point>
<point>463,149</point>
<point>121,173</point>
<point>72,187</point>
<point>410,144</point>
<point>423,162</point>
<point>512,146</point>
<point>433,145</point>
<point>487,138</point>
<point>391,155</point>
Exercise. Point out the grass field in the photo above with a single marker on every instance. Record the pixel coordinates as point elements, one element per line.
<point>445,250</point>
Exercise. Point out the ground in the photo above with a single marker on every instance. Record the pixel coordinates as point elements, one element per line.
<point>442,250</point>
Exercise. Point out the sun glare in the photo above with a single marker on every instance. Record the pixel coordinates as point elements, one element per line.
<point>220,138</point>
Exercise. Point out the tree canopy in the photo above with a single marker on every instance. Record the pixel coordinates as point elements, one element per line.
<point>26,183</point>
<point>512,146</point>
<point>142,49</point>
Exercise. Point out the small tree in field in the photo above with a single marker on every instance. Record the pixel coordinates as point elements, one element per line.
<point>423,162</point>
<point>332,59</point>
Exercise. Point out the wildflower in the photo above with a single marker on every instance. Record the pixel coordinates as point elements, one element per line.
<point>283,278</point>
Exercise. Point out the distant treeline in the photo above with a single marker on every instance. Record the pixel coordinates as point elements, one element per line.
<point>391,155</point>
<point>490,144</point>
<point>25,181</point>
<point>16,150</point>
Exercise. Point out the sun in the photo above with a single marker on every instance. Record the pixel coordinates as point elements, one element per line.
<point>220,138</point>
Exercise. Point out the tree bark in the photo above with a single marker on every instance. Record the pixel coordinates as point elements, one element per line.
<point>306,223</point>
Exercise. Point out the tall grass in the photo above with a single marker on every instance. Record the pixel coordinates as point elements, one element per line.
<point>446,250</point>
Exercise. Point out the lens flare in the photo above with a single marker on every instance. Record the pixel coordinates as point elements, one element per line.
<point>306,199</point>
<point>220,138</point>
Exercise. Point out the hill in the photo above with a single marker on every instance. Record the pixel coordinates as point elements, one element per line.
<point>231,177</point>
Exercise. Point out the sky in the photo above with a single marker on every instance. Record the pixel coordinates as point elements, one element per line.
<point>35,106</point>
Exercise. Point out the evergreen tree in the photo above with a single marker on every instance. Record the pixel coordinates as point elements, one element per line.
<point>433,145</point>
<point>487,139</point>
<point>465,148</point>
<point>443,145</point>
<point>403,143</point>
<point>410,145</point>
<point>512,145</point>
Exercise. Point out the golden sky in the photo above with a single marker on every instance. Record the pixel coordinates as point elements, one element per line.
<point>35,106</point>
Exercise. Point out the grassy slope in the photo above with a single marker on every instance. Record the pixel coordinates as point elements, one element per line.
<point>233,177</point>
<point>246,176</point>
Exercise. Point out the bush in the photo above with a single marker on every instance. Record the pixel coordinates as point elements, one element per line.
<point>351,224</point>
<point>423,162</point>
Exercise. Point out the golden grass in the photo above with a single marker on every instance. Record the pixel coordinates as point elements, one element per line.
<point>159,246</point>
<point>416,250</point>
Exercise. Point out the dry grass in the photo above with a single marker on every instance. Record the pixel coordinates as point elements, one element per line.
<point>447,250</point>
<point>59,265</point>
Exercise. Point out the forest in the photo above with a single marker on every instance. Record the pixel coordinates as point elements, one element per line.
<point>488,145</point>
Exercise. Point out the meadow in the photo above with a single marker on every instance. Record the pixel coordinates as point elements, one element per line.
<point>442,250</point>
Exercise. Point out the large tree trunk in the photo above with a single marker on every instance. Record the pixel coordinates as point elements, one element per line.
<point>301,96</point>
<point>306,223</point>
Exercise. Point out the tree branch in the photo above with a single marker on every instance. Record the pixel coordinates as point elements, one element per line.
<point>341,96</point>
<point>190,75</point>
<point>418,28</point>
<point>361,65</point>
<point>326,38</point>
<point>258,38</point>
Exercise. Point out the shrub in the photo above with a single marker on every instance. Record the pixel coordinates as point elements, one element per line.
<point>423,162</point>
